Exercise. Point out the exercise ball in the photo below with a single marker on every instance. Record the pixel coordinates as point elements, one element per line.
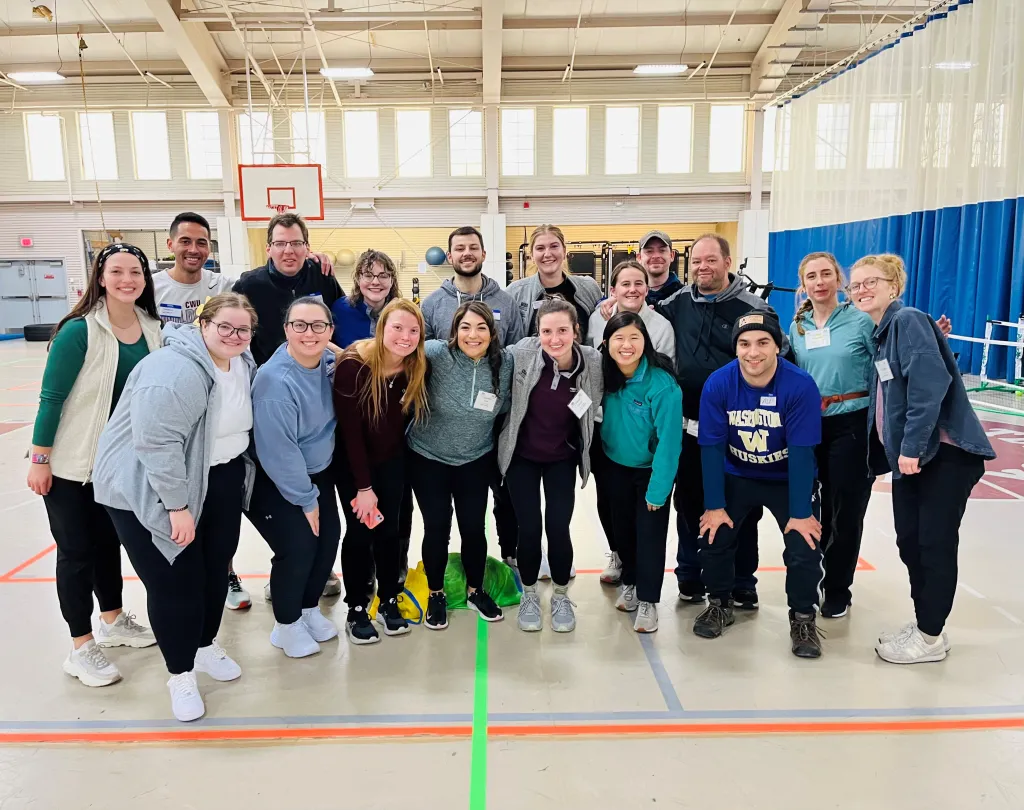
<point>435,256</point>
<point>346,258</point>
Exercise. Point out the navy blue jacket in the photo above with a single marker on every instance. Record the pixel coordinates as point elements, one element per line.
<point>925,394</point>
<point>352,322</point>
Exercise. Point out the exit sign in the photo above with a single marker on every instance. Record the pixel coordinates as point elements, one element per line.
<point>26,241</point>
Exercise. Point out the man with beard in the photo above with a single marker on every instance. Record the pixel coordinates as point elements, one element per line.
<point>656,255</point>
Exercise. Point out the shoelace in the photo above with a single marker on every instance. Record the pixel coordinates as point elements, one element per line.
<point>807,631</point>
<point>530,603</point>
<point>185,686</point>
<point>562,606</point>
<point>217,651</point>
<point>94,657</point>
<point>234,583</point>
<point>714,614</point>
<point>130,625</point>
<point>646,609</point>
<point>629,594</point>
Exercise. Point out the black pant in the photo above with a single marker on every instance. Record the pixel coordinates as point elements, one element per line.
<point>845,491</point>
<point>640,534</point>
<point>302,561</point>
<point>185,598</point>
<point>365,550</point>
<point>927,510</point>
<point>505,523</point>
<point>524,479</point>
<point>436,486</point>
<point>88,553</point>
<point>689,503</point>
<point>803,564</point>
<point>598,464</point>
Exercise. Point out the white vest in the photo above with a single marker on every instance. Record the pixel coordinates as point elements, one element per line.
<point>87,407</point>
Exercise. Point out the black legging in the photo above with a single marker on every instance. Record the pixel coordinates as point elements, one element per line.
<point>524,479</point>
<point>185,598</point>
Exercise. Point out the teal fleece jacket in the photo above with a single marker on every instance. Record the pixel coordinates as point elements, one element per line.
<point>643,427</point>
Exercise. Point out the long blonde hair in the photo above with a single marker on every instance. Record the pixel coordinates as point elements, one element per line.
<point>805,302</point>
<point>373,355</point>
<point>539,231</point>
<point>890,266</point>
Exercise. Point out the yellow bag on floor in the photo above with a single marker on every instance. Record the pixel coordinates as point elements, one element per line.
<point>412,601</point>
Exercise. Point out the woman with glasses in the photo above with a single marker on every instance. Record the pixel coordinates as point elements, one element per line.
<point>173,472</point>
<point>374,286</point>
<point>293,503</point>
<point>924,429</point>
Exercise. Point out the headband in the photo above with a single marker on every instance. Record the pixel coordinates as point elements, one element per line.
<point>121,247</point>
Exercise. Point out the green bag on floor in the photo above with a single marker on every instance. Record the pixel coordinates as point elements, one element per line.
<point>500,582</point>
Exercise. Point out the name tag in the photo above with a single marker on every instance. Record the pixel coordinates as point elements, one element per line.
<point>819,338</point>
<point>536,304</point>
<point>169,311</point>
<point>884,372</point>
<point>692,427</point>
<point>768,402</point>
<point>580,404</point>
<point>485,401</point>
<point>497,314</point>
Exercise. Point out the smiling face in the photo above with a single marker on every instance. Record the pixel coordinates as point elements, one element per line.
<point>401,333</point>
<point>548,253</point>
<point>556,333</point>
<point>288,249</point>
<point>821,281</point>
<point>190,246</point>
<point>630,290</point>
<point>123,278</point>
<point>474,336</point>
<point>708,267</point>
<point>375,284</point>
<point>626,348</point>
<point>225,347</point>
<point>308,344</point>
<point>657,258</point>
<point>870,291</point>
<point>467,255</point>
<point>758,354</point>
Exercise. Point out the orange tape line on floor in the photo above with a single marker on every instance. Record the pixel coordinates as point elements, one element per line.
<point>28,562</point>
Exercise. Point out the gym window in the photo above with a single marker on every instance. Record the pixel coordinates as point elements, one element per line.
<point>727,128</point>
<point>413,132</point>
<point>99,156</point>
<point>675,139</point>
<point>256,139</point>
<point>569,141</point>
<point>202,145</point>
<point>309,137</point>
<point>832,131</point>
<point>149,142</point>
<point>622,140</point>
<point>362,152</point>
<point>44,143</point>
<point>517,141</point>
<point>465,139</point>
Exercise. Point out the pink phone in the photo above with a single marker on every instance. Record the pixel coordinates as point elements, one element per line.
<point>374,519</point>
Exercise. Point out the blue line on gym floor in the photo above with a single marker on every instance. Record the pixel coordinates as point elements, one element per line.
<point>668,691</point>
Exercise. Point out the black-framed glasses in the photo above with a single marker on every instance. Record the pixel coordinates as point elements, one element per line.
<point>381,277</point>
<point>298,243</point>
<point>318,327</point>
<point>227,330</point>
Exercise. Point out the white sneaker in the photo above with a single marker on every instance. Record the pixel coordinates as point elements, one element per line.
<point>237,597</point>
<point>332,588</point>
<point>319,626</point>
<point>124,632</point>
<point>646,618</point>
<point>186,702</point>
<point>266,593</point>
<point>911,648</point>
<point>90,666</point>
<point>627,601</point>
<point>612,574</point>
<point>545,569</point>
<point>294,639</point>
<point>887,638</point>
<point>216,663</point>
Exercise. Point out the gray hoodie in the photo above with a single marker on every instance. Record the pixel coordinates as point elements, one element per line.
<point>439,310</point>
<point>529,361</point>
<point>155,451</point>
<point>528,292</point>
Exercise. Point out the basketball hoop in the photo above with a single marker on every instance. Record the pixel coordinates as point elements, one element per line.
<point>279,208</point>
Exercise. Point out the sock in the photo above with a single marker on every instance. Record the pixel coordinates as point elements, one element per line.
<point>929,639</point>
<point>561,589</point>
<point>803,615</point>
<point>530,588</point>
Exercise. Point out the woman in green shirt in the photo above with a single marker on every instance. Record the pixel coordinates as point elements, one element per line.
<point>93,350</point>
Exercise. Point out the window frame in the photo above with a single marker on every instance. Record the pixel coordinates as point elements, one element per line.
<point>113,145</point>
<point>429,147</point>
<point>638,169</point>
<point>501,143</point>
<point>741,152</point>
<point>28,146</point>
<point>252,161</point>
<point>322,145</point>
<point>451,151</point>
<point>376,141</point>
<point>689,157</point>
<point>188,158</point>
<point>135,141</point>
<point>586,139</point>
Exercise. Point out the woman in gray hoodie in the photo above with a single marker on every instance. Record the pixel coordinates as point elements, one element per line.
<point>173,473</point>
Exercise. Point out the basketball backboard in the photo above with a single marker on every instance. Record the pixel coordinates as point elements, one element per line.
<point>267,190</point>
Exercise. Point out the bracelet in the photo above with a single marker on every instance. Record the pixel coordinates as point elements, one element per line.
<point>179,509</point>
<point>40,458</point>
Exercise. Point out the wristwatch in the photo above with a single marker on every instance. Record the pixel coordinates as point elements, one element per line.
<point>40,458</point>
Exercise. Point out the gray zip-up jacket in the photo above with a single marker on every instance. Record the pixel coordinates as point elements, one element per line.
<point>527,291</point>
<point>439,310</point>
<point>529,361</point>
<point>155,451</point>
<point>456,431</point>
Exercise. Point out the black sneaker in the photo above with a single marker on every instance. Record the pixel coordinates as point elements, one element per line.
<point>360,628</point>
<point>715,618</point>
<point>744,599</point>
<point>834,608</point>
<point>691,591</point>
<point>437,611</point>
<point>804,633</point>
<point>391,619</point>
<point>484,605</point>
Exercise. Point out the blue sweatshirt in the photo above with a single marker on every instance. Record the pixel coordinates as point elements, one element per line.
<point>352,322</point>
<point>643,427</point>
<point>293,424</point>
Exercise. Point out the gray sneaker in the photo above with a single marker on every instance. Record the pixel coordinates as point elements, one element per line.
<point>563,617</point>
<point>529,611</point>
<point>627,601</point>
<point>646,618</point>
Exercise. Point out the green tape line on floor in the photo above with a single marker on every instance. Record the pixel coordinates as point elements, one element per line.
<point>478,762</point>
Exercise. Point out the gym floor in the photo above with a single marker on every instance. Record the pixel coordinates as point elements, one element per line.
<point>486,716</point>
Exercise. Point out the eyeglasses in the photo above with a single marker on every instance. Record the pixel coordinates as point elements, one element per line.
<point>227,330</point>
<point>318,327</point>
<point>293,245</point>
<point>868,284</point>
<point>382,277</point>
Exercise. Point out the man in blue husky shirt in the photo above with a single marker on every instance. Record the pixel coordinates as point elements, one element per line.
<point>760,419</point>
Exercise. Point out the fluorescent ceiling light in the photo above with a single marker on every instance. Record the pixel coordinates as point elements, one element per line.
<point>347,73</point>
<point>36,77</point>
<point>954,65</point>
<point>660,70</point>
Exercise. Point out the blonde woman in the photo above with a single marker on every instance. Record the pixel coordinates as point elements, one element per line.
<point>379,386</point>
<point>924,429</point>
<point>547,253</point>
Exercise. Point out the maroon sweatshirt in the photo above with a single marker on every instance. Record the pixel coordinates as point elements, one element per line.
<point>367,442</point>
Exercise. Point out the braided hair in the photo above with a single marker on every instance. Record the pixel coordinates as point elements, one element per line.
<point>806,305</point>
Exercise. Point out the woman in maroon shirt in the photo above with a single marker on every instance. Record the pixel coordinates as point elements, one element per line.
<point>379,385</point>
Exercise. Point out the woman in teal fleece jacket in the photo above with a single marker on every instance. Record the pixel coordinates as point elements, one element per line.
<point>642,435</point>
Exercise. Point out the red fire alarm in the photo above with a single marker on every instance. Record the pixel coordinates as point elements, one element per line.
<point>526,203</point>
<point>26,241</point>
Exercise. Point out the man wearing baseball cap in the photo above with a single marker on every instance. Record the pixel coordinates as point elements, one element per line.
<point>760,419</point>
<point>656,255</point>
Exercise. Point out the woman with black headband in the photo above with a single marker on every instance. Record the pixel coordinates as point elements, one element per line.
<point>93,350</point>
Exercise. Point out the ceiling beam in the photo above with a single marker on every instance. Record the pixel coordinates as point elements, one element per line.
<point>773,61</point>
<point>72,29</point>
<point>197,49</point>
<point>491,42</point>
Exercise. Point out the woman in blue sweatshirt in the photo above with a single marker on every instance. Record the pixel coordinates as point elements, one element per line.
<point>642,435</point>
<point>452,455</point>
<point>293,503</point>
<point>374,286</point>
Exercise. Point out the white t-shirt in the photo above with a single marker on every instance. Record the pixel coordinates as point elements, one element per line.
<point>177,302</point>
<point>658,327</point>
<point>232,412</point>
